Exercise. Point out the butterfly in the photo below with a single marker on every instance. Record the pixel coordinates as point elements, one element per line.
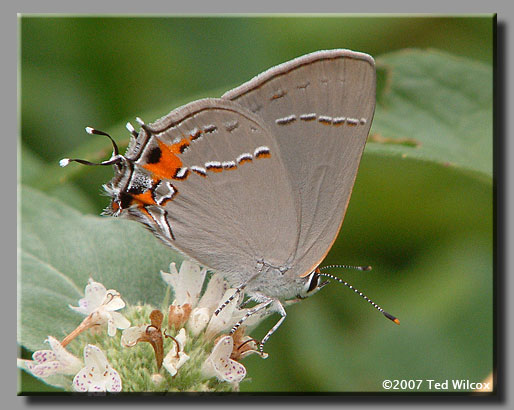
<point>255,184</point>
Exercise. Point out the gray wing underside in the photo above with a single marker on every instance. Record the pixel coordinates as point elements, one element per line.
<point>229,220</point>
<point>310,105</point>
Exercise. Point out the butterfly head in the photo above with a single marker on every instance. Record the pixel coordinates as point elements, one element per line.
<point>311,285</point>
<point>119,188</point>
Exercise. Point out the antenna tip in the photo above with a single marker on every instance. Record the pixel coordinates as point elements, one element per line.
<point>391,317</point>
<point>140,121</point>
<point>366,268</point>
<point>63,162</point>
<point>130,127</point>
<point>89,130</point>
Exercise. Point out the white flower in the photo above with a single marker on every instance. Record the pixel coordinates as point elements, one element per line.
<point>209,302</point>
<point>187,284</point>
<point>100,305</point>
<point>97,375</point>
<point>132,335</point>
<point>174,360</point>
<point>220,364</point>
<point>47,363</point>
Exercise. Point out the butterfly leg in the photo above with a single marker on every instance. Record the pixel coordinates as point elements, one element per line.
<point>239,289</point>
<point>280,309</point>
<point>251,312</point>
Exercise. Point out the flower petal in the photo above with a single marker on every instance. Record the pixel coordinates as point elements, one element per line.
<point>187,283</point>
<point>113,301</point>
<point>113,382</point>
<point>70,363</point>
<point>47,369</point>
<point>181,338</point>
<point>83,307</point>
<point>172,363</point>
<point>223,348</point>
<point>97,375</point>
<point>192,278</point>
<point>220,365</point>
<point>42,356</point>
<point>84,381</point>
<point>120,321</point>
<point>131,336</point>
<point>216,288</point>
<point>198,320</point>
<point>171,278</point>
<point>229,370</point>
<point>95,294</point>
<point>94,357</point>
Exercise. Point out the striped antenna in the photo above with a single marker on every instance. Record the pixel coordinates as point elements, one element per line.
<point>361,268</point>
<point>387,315</point>
<point>116,158</point>
<point>91,131</point>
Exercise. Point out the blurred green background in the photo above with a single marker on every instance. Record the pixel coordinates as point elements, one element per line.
<point>425,229</point>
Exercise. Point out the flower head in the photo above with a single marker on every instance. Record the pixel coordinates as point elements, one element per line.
<point>47,363</point>
<point>97,375</point>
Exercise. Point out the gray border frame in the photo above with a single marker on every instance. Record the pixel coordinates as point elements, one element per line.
<point>503,170</point>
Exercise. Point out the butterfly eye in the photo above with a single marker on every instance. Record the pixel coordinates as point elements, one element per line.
<point>313,283</point>
<point>310,286</point>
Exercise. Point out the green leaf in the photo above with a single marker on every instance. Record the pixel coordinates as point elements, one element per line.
<point>61,249</point>
<point>435,107</point>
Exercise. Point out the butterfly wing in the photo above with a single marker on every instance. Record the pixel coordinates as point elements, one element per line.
<point>319,107</point>
<point>218,189</point>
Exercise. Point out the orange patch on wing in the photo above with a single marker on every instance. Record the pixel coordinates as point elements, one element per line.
<point>180,146</point>
<point>145,198</point>
<point>169,161</point>
<point>263,155</point>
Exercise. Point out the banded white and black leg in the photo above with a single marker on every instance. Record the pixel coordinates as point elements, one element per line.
<point>251,312</point>
<point>282,312</point>
<point>238,291</point>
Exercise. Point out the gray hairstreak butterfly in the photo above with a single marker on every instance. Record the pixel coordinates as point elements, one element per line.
<point>255,184</point>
